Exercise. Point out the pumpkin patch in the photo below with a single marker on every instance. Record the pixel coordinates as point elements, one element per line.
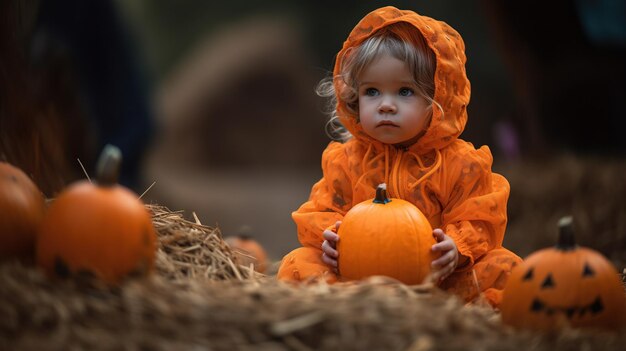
<point>98,229</point>
<point>388,237</point>
<point>564,286</point>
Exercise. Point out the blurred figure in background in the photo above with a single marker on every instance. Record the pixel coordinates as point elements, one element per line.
<point>80,87</point>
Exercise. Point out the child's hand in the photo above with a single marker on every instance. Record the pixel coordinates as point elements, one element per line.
<point>329,247</point>
<point>444,265</point>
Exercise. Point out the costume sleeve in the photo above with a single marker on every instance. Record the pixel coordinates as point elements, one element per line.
<point>330,198</point>
<point>475,214</point>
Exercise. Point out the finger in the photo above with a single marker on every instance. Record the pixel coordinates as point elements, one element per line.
<point>443,273</point>
<point>437,276</point>
<point>439,235</point>
<point>329,261</point>
<point>331,236</point>
<point>445,245</point>
<point>329,250</point>
<point>443,260</point>
<point>337,224</point>
<point>447,270</point>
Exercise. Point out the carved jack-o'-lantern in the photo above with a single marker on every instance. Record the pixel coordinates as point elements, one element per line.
<point>564,286</point>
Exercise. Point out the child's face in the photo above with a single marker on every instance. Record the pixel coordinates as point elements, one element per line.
<point>390,108</point>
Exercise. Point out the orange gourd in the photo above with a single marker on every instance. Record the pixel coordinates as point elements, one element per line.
<point>564,286</point>
<point>248,251</point>
<point>388,237</point>
<point>22,208</point>
<point>100,229</point>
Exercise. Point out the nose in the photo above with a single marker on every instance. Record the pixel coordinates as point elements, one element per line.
<point>387,105</point>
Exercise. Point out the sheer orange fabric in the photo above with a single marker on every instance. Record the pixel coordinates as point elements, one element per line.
<point>449,180</point>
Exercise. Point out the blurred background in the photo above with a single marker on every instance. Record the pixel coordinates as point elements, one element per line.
<point>214,101</point>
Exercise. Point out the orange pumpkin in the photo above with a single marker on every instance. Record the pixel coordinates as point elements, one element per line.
<point>388,237</point>
<point>22,208</point>
<point>248,251</point>
<point>101,229</point>
<point>563,286</point>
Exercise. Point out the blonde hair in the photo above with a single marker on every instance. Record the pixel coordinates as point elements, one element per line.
<point>400,40</point>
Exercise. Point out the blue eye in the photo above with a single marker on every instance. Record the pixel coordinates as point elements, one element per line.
<point>371,92</point>
<point>406,92</point>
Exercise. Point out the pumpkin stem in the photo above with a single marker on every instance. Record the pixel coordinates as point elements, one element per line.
<point>109,163</point>
<point>566,239</point>
<point>381,194</point>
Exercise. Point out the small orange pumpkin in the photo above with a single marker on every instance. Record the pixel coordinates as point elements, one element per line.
<point>388,237</point>
<point>563,286</point>
<point>22,208</point>
<point>248,251</point>
<point>101,229</point>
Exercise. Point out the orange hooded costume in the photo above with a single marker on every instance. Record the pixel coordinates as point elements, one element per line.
<point>446,178</point>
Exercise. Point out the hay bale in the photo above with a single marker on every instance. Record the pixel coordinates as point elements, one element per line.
<point>200,299</point>
<point>591,189</point>
<point>255,314</point>
<point>191,250</point>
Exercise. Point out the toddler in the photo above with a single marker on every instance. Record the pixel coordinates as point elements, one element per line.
<point>400,94</point>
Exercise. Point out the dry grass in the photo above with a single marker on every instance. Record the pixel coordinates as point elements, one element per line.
<point>191,250</point>
<point>256,314</point>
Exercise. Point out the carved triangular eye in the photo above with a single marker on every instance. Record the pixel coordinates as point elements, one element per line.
<point>528,275</point>
<point>588,271</point>
<point>548,282</point>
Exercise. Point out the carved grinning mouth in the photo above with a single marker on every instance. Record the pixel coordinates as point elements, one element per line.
<point>593,308</point>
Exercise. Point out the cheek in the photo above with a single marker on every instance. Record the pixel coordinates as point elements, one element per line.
<point>366,106</point>
<point>422,117</point>
<point>367,116</point>
<point>368,127</point>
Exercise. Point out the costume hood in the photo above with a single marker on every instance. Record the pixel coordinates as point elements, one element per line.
<point>452,88</point>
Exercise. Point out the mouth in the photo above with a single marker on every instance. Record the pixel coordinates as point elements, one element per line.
<point>386,123</point>
<point>593,308</point>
